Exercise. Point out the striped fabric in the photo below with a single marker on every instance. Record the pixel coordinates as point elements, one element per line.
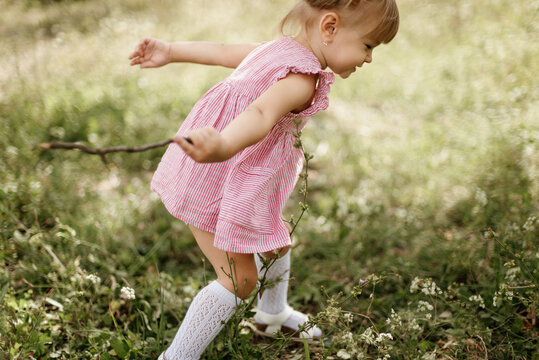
<point>240,200</point>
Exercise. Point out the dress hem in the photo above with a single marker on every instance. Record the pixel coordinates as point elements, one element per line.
<point>261,245</point>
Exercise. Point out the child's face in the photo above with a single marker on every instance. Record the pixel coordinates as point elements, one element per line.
<point>350,45</point>
<point>349,50</point>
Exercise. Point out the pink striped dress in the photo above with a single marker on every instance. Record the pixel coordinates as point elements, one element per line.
<point>240,200</point>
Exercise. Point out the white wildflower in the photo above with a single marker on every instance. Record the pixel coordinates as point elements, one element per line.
<point>509,294</point>
<point>348,337</point>
<point>12,150</point>
<point>481,197</point>
<point>127,293</point>
<point>529,225</point>
<point>76,278</point>
<point>424,306</point>
<point>386,356</point>
<point>394,320</point>
<point>414,287</point>
<point>343,354</point>
<point>428,316</point>
<point>383,336</point>
<point>349,317</point>
<point>478,299</point>
<point>427,286</point>
<point>368,336</point>
<point>496,299</point>
<point>332,314</point>
<point>503,292</point>
<point>512,274</point>
<point>414,325</point>
<point>430,288</point>
<point>93,279</point>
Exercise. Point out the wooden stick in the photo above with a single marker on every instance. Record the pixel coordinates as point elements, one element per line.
<point>103,151</point>
<point>89,150</point>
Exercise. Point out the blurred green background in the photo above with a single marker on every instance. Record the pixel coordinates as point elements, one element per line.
<point>425,166</point>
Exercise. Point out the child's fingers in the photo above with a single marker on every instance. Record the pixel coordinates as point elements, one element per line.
<point>146,46</point>
<point>133,55</point>
<point>193,145</point>
<point>140,49</point>
<point>185,146</point>
<point>183,138</point>
<point>185,143</point>
<point>136,61</point>
<point>137,51</point>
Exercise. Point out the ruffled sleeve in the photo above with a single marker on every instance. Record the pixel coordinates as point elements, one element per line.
<point>320,101</point>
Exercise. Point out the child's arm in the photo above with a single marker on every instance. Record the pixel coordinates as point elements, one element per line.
<point>251,126</point>
<point>155,53</point>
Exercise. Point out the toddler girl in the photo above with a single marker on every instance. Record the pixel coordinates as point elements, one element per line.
<point>233,164</point>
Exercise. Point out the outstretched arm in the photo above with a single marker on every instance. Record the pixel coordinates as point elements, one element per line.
<point>208,53</point>
<point>251,126</point>
<point>155,53</point>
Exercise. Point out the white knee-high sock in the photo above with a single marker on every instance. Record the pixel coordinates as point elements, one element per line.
<point>211,308</point>
<point>273,299</point>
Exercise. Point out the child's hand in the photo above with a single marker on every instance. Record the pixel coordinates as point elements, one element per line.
<point>151,53</point>
<point>204,145</point>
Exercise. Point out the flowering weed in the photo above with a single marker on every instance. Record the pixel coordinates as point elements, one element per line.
<point>420,240</point>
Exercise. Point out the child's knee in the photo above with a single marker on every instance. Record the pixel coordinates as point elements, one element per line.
<point>247,284</point>
<point>243,282</point>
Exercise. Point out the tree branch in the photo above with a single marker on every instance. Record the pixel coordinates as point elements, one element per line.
<point>101,152</point>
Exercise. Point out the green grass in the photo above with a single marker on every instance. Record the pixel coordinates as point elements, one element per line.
<point>425,170</point>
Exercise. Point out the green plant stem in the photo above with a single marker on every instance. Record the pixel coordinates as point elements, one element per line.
<point>304,190</point>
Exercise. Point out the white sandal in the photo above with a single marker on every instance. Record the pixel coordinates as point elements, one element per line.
<point>273,323</point>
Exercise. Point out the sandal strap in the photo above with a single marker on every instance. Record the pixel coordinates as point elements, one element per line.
<point>274,321</point>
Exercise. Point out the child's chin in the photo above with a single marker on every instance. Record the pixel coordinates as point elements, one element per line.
<point>346,74</point>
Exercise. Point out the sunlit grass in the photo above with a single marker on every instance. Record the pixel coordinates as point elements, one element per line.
<point>425,166</point>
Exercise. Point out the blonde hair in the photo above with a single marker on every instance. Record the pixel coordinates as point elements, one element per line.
<point>352,12</point>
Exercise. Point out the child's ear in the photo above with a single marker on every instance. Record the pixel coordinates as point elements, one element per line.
<point>329,25</point>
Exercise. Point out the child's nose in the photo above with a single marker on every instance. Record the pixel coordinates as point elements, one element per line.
<point>368,58</point>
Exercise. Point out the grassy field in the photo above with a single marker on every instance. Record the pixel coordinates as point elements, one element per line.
<point>422,191</point>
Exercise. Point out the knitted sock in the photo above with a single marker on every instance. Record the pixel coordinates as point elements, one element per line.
<point>273,300</point>
<point>211,308</point>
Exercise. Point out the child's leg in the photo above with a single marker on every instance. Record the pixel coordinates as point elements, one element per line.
<point>213,306</point>
<point>273,298</point>
<point>246,274</point>
<point>272,305</point>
